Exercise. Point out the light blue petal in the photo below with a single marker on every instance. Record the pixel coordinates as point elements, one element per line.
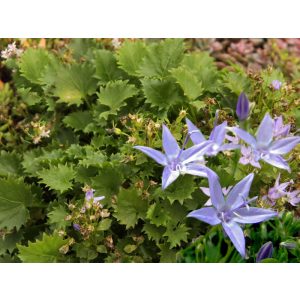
<point>168,177</point>
<point>169,143</point>
<point>154,154</point>
<point>215,190</point>
<point>236,235</point>
<point>196,169</point>
<point>195,152</point>
<point>277,161</point>
<point>239,193</point>
<point>230,146</point>
<point>250,215</point>
<point>218,133</point>
<point>264,134</point>
<point>206,214</point>
<point>196,135</point>
<point>285,145</point>
<point>245,136</point>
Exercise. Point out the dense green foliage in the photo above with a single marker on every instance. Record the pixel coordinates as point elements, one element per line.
<point>69,118</point>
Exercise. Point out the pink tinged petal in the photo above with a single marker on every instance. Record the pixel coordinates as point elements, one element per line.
<point>250,215</point>
<point>285,145</point>
<point>168,177</point>
<point>206,214</point>
<point>195,134</point>
<point>218,133</point>
<point>195,169</point>
<point>264,134</point>
<point>244,135</point>
<point>236,235</point>
<point>246,151</point>
<point>240,192</point>
<point>215,190</point>
<point>195,152</point>
<point>294,197</point>
<point>277,161</point>
<point>170,145</point>
<point>154,154</point>
<point>227,147</point>
<point>244,160</point>
<point>255,163</point>
<point>205,190</point>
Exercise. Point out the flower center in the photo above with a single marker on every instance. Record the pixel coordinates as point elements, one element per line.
<point>224,216</point>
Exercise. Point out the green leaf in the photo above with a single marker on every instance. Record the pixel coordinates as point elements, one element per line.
<point>166,254</point>
<point>153,232</point>
<point>106,66</point>
<point>104,224</point>
<point>28,96</point>
<point>85,252</point>
<point>108,182</point>
<point>162,57</point>
<point>190,84</point>
<point>33,63</point>
<point>202,65</point>
<point>180,190</point>
<point>162,94</point>
<point>130,56</point>
<point>74,83</point>
<point>78,120</point>
<point>10,164</point>
<point>56,217</point>
<point>58,178</point>
<point>130,248</point>
<point>156,214</point>
<point>236,82</point>
<point>130,207</point>
<point>114,94</point>
<point>9,242</point>
<point>42,251</point>
<point>176,234</point>
<point>15,197</point>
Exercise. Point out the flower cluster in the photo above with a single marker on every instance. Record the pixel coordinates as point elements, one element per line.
<point>229,207</point>
<point>11,51</point>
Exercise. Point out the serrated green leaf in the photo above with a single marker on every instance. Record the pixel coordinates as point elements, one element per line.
<point>156,214</point>
<point>153,232</point>
<point>130,207</point>
<point>74,83</point>
<point>85,252</point>
<point>162,94</point>
<point>180,190</point>
<point>107,183</point>
<point>166,254</point>
<point>114,94</point>
<point>104,224</point>
<point>28,96</point>
<point>106,66</point>
<point>176,234</point>
<point>33,63</point>
<point>10,164</point>
<point>9,242</point>
<point>56,217</point>
<point>162,57</point>
<point>58,178</point>
<point>42,251</point>
<point>130,56</point>
<point>202,65</point>
<point>78,120</point>
<point>191,86</point>
<point>15,197</point>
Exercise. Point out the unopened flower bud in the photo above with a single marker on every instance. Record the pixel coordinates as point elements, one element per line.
<point>242,107</point>
<point>266,251</point>
<point>276,84</point>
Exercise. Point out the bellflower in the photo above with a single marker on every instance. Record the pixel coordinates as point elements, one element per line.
<point>263,147</point>
<point>278,191</point>
<point>231,210</point>
<point>266,251</point>
<point>89,194</point>
<point>205,190</point>
<point>280,130</point>
<point>242,107</point>
<point>178,161</point>
<point>293,197</point>
<point>276,84</point>
<point>216,138</point>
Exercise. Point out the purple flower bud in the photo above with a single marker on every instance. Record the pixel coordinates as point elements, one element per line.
<point>276,84</point>
<point>76,227</point>
<point>266,251</point>
<point>242,107</point>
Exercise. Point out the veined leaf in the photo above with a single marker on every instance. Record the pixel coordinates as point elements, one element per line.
<point>176,234</point>
<point>42,251</point>
<point>130,56</point>
<point>162,57</point>
<point>58,178</point>
<point>75,83</point>
<point>78,120</point>
<point>15,197</point>
<point>10,164</point>
<point>190,84</point>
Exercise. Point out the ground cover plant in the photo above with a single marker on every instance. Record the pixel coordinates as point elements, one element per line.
<point>132,150</point>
